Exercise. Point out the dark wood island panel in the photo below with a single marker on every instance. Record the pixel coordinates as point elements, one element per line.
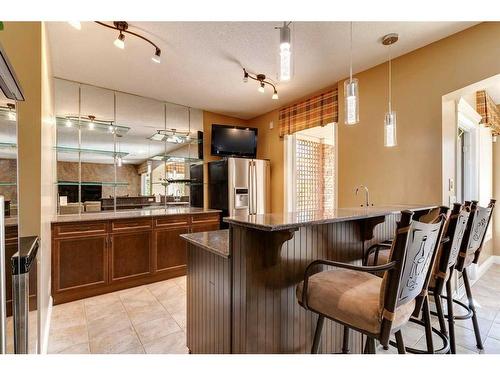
<point>263,260</point>
<point>100,256</point>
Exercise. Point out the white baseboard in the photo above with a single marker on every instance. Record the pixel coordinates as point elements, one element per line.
<point>477,271</point>
<point>45,341</point>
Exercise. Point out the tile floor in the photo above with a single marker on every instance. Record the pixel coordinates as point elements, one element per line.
<point>486,292</point>
<point>152,319</point>
<point>145,319</point>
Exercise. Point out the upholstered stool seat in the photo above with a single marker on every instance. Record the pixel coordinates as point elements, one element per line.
<point>382,257</point>
<point>353,298</point>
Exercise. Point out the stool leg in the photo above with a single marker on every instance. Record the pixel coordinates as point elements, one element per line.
<point>451,319</point>
<point>345,343</point>
<point>400,342</point>
<point>440,314</point>
<point>317,334</point>
<point>426,315</point>
<point>479,342</point>
<point>369,345</point>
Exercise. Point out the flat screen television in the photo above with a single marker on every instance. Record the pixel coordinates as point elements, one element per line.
<point>228,140</point>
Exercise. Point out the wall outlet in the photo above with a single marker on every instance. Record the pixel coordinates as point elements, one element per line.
<point>271,124</point>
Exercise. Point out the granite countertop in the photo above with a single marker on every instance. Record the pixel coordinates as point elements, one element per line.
<point>130,214</point>
<point>276,222</point>
<point>216,241</point>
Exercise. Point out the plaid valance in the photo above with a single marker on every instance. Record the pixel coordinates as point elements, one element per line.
<point>319,110</point>
<point>486,107</point>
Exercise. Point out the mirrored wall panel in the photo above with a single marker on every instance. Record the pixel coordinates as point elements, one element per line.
<point>118,151</point>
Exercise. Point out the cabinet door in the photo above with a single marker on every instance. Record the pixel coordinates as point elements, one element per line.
<point>130,255</point>
<point>79,262</point>
<point>170,248</point>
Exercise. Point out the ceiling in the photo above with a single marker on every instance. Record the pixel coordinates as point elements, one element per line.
<point>202,61</point>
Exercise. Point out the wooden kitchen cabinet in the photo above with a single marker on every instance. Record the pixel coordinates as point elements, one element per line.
<point>96,257</point>
<point>130,255</point>
<point>81,263</point>
<point>170,248</point>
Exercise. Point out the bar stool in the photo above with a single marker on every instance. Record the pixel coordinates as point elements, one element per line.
<point>379,254</point>
<point>374,306</point>
<point>470,249</point>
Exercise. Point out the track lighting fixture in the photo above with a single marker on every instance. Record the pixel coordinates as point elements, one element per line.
<point>91,122</point>
<point>156,56</point>
<point>261,78</point>
<point>122,28</point>
<point>12,112</point>
<point>120,41</point>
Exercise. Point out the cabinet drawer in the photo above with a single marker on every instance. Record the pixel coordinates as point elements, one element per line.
<point>128,224</point>
<point>80,229</point>
<point>171,221</point>
<point>206,218</point>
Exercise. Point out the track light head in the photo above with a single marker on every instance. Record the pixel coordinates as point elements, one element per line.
<point>156,56</point>
<point>120,41</point>
<point>275,95</point>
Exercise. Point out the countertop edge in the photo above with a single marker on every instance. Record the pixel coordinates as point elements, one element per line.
<point>188,237</point>
<point>289,226</point>
<point>72,218</point>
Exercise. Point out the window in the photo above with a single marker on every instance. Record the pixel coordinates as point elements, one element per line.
<point>310,173</point>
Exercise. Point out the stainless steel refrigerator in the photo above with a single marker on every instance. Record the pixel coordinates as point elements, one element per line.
<point>239,186</point>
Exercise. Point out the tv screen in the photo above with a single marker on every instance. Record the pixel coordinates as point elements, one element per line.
<point>236,141</point>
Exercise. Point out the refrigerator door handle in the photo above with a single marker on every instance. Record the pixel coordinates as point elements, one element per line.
<point>250,188</point>
<point>255,206</point>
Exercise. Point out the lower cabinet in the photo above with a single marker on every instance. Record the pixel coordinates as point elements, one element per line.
<point>81,262</point>
<point>130,255</point>
<point>170,248</point>
<point>92,258</point>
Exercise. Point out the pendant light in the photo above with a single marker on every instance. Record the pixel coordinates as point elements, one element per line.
<point>285,73</point>
<point>351,95</point>
<point>390,136</point>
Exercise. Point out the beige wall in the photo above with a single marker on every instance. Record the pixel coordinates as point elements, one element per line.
<point>496,194</point>
<point>411,172</point>
<point>26,46</point>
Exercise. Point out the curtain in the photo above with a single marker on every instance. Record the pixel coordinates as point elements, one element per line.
<point>488,110</point>
<point>319,110</point>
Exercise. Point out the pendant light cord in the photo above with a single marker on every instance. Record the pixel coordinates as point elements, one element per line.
<point>390,78</point>
<point>350,62</point>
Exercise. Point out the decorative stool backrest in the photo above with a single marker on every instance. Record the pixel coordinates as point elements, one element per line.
<point>455,229</point>
<point>477,224</point>
<point>414,250</point>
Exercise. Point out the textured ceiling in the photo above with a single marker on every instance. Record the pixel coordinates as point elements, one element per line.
<point>201,61</point>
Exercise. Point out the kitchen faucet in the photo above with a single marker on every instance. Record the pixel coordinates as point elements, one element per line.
<point>367,195</point>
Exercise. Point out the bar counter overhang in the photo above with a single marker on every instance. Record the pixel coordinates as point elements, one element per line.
<point>242,299</point>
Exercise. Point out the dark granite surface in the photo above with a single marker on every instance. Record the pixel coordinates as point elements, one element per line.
<point>216,241</point>
<point>275,222</point>
<point>130,214</point>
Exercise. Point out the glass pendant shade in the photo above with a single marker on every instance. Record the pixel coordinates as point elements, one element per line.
<point>285,53</point>
<point>351,102</point>
<point>390,137</point>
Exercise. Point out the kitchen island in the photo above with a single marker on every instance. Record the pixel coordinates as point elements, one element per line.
<point>100,252</point>
<point>241,296</point>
